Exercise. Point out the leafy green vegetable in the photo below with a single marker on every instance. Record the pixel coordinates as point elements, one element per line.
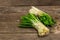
<point>46,20</point>
<point>43,17</point>
<point>25,23</point>
<point>30,20</point>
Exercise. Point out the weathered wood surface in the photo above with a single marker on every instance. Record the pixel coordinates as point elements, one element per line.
<point>28,2</point>
<point>10,18</point>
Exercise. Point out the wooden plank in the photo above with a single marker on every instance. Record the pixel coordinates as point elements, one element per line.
<point>12,27</point>
<point>28,37</point>
<point>18,37</point>
<point>35,2</point>
<point>12,14</point>
<point>5,3</point>
<point>13,17</point>
<point>28,2</point>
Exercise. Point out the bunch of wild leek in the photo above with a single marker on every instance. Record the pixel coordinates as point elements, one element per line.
<point>38,20</point>
<point>33,21</point>
<point>43,16</point>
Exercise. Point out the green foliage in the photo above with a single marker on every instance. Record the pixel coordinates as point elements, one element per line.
<point>46,19</point>
<point>27,20</point>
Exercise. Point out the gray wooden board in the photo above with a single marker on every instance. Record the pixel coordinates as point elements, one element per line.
<point>10,18</point>
<point>28,2</point>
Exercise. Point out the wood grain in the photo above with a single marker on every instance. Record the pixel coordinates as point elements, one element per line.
<point>35,2</point>
<point>29,2</point>
<point>28,37</point>
<point>10,18</point>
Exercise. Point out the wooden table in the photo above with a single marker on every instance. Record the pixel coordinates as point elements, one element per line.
<point>12,10</point>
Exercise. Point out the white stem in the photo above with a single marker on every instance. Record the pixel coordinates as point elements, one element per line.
<point>35,11</point>
<point>42,29</point>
